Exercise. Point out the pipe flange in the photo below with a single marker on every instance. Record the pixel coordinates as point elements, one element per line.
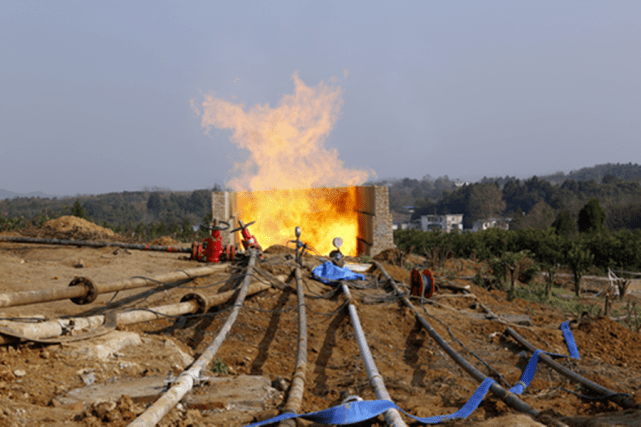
<point>203,305</point>
<point>91,291</point>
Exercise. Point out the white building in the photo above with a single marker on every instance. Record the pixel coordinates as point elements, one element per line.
<point>484,224</point>
<point>445,223</point>
<point>405,225</point>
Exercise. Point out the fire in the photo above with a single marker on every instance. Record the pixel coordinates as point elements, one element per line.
<point>322,214</point>
<point>287,153</point>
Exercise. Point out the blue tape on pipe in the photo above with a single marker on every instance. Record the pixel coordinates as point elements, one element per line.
<point>354,412</point>
<point>569,339</point>
<point>530,369</point>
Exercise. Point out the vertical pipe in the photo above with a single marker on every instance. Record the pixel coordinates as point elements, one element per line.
<point>298,381</point>
<point>186,380</point>
<point>392,417</point>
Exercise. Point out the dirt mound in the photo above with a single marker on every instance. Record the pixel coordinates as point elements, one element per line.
<point>398,273</point>
<point>390,256</point>
<point>165,241</point>
<point>278,249</point>
<point>70,227</point>
<point>610,341</point>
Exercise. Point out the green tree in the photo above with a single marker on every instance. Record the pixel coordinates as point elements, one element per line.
<point>187,231</point>
<point>162,229</point>
<point>155,203</point>
<point>512,261</point>
<point>540,216</point>
<point>591,217</point>
<point>549,254</point>
<point>78,210</point>
<point>518,220</point>
<point>579,259</point>
<point>564,225</point>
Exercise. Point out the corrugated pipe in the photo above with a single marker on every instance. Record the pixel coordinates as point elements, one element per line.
<point>83,290</point>
<point>620,399</point>
<point>185,381</point>
<point>297,388</point>
<point>508,397</point>
<point>392,416</point>
<point>139,247</point>
<point>191,303</point>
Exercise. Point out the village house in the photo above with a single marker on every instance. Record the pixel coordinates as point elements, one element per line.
<point>484,224</point>
<point>446,223</point>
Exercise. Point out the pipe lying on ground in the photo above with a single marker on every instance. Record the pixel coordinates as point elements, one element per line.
<point>502,393</point>
<point>186,380</point>
<point>624,401</point>
<point>56,328</point>
<point>392,416</point>
<point>135,246</point>
<point>82,290</point>
<point>297,388</point>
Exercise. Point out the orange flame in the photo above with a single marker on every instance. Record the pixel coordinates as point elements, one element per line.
<point>286,152</point>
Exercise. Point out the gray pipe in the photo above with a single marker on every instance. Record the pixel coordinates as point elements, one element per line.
<point>392,417</point>
<point>141,247</point>
<point>297,388</point>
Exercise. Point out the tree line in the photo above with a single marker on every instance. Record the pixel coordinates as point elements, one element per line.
<point>140,215</point>
<point>579,245</point>
<point>537,203</point>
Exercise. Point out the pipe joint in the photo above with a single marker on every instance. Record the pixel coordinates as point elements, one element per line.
<point>91,291</point>
<point>201,301</point>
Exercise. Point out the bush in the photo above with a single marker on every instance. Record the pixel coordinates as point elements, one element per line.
<point>529,270</point>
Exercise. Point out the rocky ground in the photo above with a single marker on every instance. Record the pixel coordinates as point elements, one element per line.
<point>52,384</point>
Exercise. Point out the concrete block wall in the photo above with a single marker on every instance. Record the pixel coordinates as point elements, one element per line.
<point>382,221</point>
<point>374,218</point>
<point>223,208</point>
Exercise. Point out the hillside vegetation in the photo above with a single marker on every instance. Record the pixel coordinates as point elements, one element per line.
<point>139,214</point>
<point>531,203</point>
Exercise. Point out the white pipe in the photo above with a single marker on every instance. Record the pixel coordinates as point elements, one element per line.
<point>185,381</point>
<point>56,328</point>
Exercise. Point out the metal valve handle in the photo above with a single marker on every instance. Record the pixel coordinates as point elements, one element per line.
<point>216,227</point>
<point>242,226</point>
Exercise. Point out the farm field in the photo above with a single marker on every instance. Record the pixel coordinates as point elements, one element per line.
<point>37,379</point>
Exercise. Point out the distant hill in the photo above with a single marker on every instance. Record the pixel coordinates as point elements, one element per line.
<point>6,194</point>
<point>627,172</point>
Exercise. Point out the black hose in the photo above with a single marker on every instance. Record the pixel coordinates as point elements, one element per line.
<point>621,399</point>
<point>140,247</point>
<point>509,398</point>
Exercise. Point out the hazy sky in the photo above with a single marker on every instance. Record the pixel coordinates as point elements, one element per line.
<point>95,96</point>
